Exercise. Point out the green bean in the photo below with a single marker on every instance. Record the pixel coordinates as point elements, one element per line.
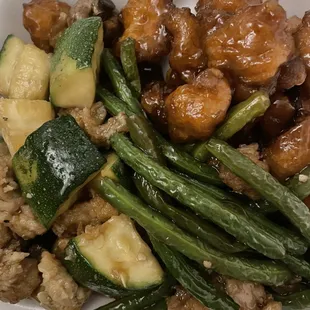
<point>296,301</point>
<point>191,279</point>
<point>129,63</point>
<point>238,116</point>
<point>188,221</point>
<point>225,214</point>
<point>179,159</point>
<point>119,83</point>
<point>262,271</point>
<point>113,104</point>
<point>264,183</point>
<point>300,183</point>
<point>298,266</point>
<point>293,242</point>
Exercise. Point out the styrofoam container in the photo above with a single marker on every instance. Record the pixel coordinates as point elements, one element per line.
<point>11,23</point>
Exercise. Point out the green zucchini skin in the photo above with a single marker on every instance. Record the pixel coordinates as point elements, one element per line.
<point>143,136</point>
<point>129,63</point>
<point>83,272</point>
<point>297,301</point>
<point>119,82</point>
<point>191,280</point>
<point>300,189</point>
<point>298,266</point>
<point>226,215</point>
<point>55,161</point>
<point>264,183</point>
<point>189,222</point>
<point>238,116</point>
<point>293,242</point>
<point>78,43</point>
<point>141,300</point>
<point>262,271</point>
<point>115,169</point>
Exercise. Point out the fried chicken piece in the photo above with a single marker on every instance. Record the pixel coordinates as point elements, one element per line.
<point>25,224</point>
<point>6,236</point>
<point>234,182</point>
<point>212,14</point>
<point>293,24</point>
<point>10,197</point>
<point>273,305</point>
<point>19,276</point>
<point>194,110</point>
<point>302,38</point>
<point>253,44</point>
<point>153,103</point>
<point>290,152</point>
<point>182,300</point>
<point>93,212</point>
<point>143,22</point>
<point>293,73</point>
<point>186,57</point>
<point>248,295</point>
<point>60,246</point>
<point>91,121</point>
<point>45,20</point>
<point>58,290</point>
<point>228,6</point>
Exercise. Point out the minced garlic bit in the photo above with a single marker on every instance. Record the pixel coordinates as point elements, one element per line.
<point>207,264</point>
<point>303,178</point>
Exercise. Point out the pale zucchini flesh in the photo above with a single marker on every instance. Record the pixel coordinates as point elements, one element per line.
<point>30,79</point>
<point>11,50</point>
<point>20,117</point>
<point>117,251</point>
<point>75,64</point>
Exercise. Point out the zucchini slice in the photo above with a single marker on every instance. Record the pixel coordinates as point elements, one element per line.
<point>116,170</point>
<point>55,162</point>
<point>112,259</point>
<point>75,64</point>
<point>20,117</point>
<point>30,78</point>
<point>11,50</point>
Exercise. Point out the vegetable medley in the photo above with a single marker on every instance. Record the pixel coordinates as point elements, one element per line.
<point>189,191</point>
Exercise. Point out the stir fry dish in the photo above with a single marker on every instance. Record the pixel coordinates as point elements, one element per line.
<point>186,188</point>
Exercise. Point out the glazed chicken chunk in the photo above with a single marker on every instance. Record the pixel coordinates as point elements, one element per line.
<point>58,290</point>
<point>290,152</point>
<point>194,110</point>
<point>186,57</point>
<point>237,184</point>
<point>45,20</point>
<point>153,103</point>
<point>252,44</point>
<point>143,21</point>
<point>212,14</point>
<point>302,38</point>
<point>19,276</point>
